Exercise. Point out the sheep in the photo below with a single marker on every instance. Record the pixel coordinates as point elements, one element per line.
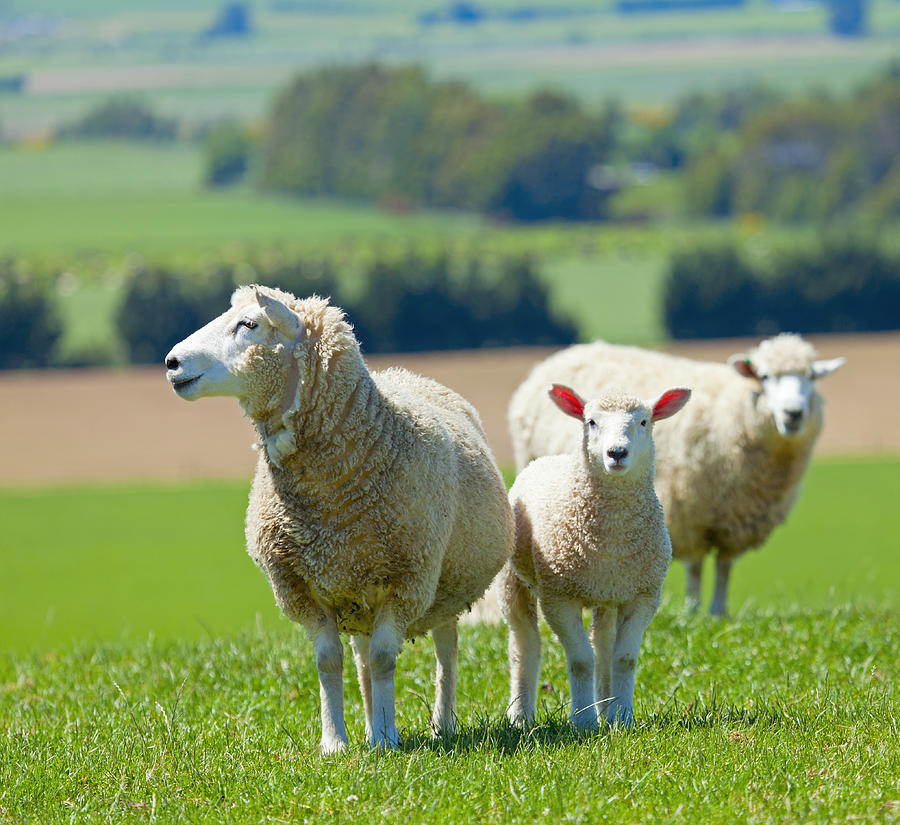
<point>376,509</point>
<point>730,469</point>
<point>590,533</point>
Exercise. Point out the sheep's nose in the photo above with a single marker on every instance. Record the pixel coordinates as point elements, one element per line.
<point>171,362</point>
<point>794,416</point>
<point>617,455</point>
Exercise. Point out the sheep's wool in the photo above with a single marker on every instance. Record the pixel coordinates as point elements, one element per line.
<point>724,475</point>
<point>371,489</point>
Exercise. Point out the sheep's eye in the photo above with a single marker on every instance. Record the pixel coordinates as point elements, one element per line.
<point>245,322</point>
<point>592,423</point>
<point>644,423</point>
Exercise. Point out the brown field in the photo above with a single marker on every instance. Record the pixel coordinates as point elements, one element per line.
<point>118,425</point>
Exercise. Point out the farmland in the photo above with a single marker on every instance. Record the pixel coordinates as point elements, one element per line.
<point>146,676</point>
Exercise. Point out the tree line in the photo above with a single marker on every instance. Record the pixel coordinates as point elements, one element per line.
<point>414,301</point>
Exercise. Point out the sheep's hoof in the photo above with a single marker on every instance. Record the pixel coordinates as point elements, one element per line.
<point>332,746</point>
<point>620,717</point>
<point>388,741</point>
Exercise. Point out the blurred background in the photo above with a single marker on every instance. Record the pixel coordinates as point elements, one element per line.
<point>476,184</point>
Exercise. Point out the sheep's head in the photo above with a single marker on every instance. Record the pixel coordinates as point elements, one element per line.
<point>245,352</point>
<point>618,428</point>
<point>786,370</point>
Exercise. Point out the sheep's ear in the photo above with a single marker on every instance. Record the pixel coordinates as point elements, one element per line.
<point>567,400</point>
<point>670,402</point>
<point>822,368</point>
<point>743,365</point>
<point>280,315</point>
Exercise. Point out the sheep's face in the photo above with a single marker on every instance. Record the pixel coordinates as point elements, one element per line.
<point>241,353</point>
<point>786,370</point>
<point>618,428</point>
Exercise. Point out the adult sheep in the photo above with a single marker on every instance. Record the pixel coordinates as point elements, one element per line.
<point>377,508</point>
<point>729,468</point>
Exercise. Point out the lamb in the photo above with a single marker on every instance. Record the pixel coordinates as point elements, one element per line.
<point>589,533</point>
<point>730,469</point>
<point>377,508</point>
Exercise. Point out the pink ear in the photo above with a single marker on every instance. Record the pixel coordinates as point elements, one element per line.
<point>567,400</point>
<point>743,366</point>
<point>670,402</point>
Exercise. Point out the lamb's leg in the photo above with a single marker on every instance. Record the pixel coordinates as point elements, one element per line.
<point>603,639</point>
<point>633,621</point>
<point>564,618</point>
<point>694,570</point>
<point>720,595</point>
<point>443,718</point>
<point>360,645</point>
<point>323,632</point>
<point>385,643</point>
<point>520,611</point>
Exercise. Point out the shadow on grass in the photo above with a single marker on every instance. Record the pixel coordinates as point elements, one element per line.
<point>555,730</point>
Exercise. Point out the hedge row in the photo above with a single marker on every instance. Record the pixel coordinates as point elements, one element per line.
<point>846,287</point>
<point>403,304</point>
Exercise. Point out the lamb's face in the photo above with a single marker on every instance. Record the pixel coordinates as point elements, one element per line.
<point>787,371</point>
<point>618,428</point>
<point>241,353</point>
<point>616,440</point>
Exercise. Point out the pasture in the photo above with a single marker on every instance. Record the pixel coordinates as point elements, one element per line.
<point>157,48</point>
<point>87,208</point>
<point>145,675</point>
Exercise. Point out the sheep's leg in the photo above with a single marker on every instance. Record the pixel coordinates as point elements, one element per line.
<point>564,618</point>
<point>520,612</point>
<point>633,621</point>
<point>603,639</point>
<point>384,646</point>
<point>323,632</point>
<point>694,570</point>
<point>720,595</point>
<point>360,645</point>
<point>443,718</point>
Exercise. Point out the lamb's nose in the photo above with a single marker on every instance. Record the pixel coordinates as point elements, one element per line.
<point>794,416</point>
<point>171,362</point>
<point>617,455</point>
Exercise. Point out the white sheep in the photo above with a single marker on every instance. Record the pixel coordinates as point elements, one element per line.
<point>590,533</point>
<point>377,508</point>
<point>730,468</point>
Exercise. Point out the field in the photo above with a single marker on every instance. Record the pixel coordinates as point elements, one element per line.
<point>145,676</point>
<point>87,209</point>
<point>145,672</point>
<point>74,57</point>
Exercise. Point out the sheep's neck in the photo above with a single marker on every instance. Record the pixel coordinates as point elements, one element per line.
<point>625,492</point>
<point>336,426</point>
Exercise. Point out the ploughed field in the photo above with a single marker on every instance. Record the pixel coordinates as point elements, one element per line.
<point>127,424</point>
<point>146,674</point>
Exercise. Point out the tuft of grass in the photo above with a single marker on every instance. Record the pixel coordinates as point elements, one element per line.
<point>788,715</point>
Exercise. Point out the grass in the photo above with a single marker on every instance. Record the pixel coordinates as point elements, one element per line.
<point>86,208</point>
<point>146,676</point>
<point>119,563</point>
<point>787,715</point>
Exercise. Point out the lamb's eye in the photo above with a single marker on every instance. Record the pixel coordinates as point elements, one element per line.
<point>245,322</point>
<point>644,423</point>
<point>592,423</point>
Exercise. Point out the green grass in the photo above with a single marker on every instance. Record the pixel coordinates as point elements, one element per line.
<point>146,676</point>
<point>122,562</point>
<point>87,208</point>
<point>787,715</point>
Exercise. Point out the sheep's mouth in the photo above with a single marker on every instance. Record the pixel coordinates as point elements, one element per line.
<point>179,385</point>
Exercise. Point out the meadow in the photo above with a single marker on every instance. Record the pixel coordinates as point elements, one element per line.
<point>146,676</point>
<point>88,208</point>
<point>587,49</point>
